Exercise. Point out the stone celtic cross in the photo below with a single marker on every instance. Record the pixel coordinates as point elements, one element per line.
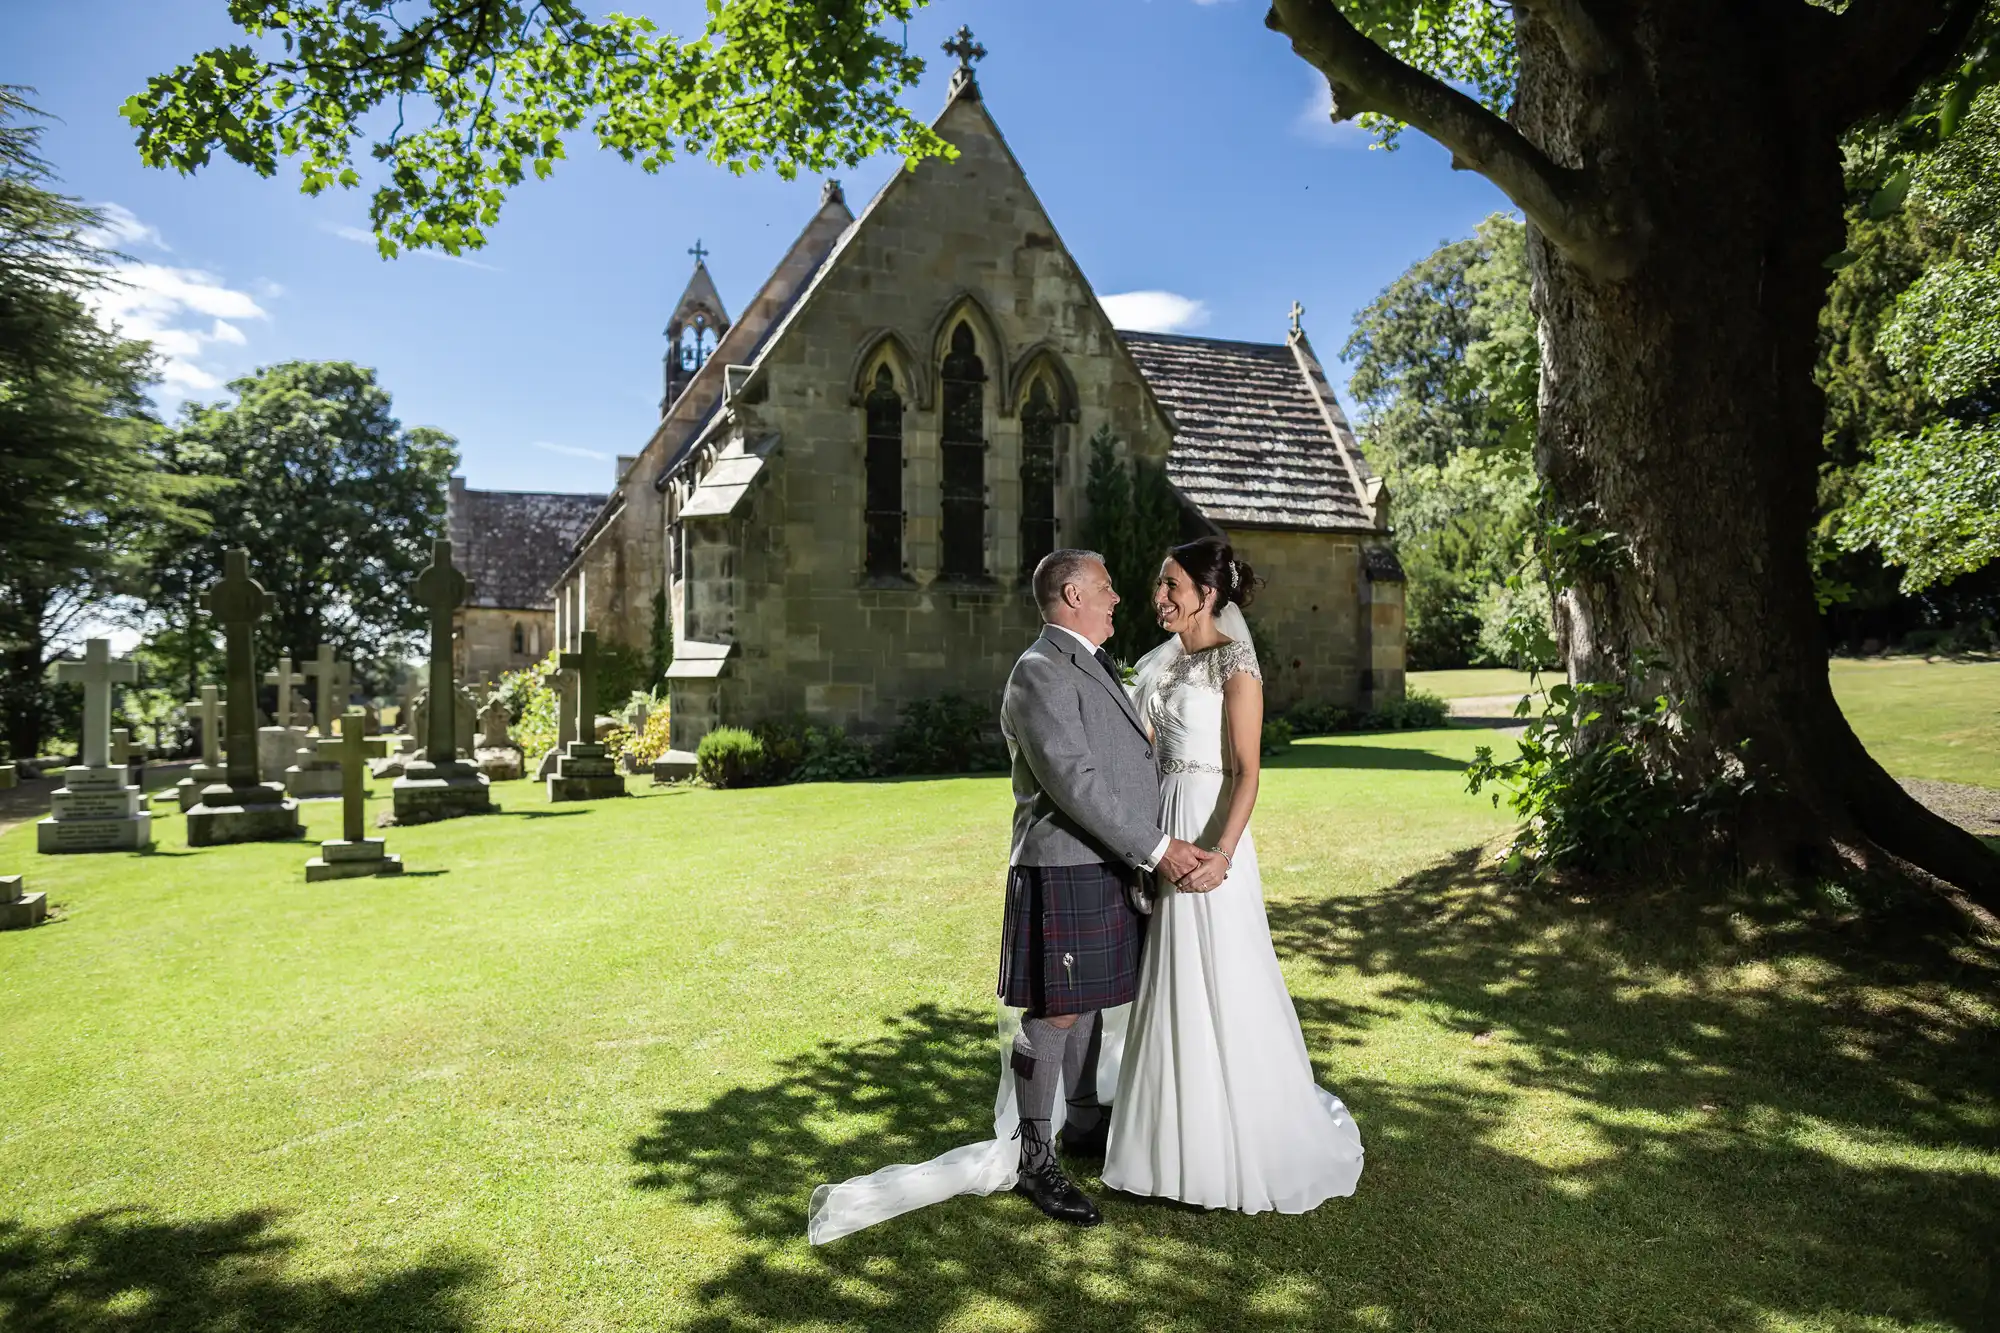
<point>209,709</point>
<point>97,673</point>
<point>962,46</point>
<point>1297,310</point>
<point>583,662</point>
<point>286,680</point>
<point>239,602</point>
<point>442,590</point>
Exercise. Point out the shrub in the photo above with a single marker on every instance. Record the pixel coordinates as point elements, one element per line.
<point>730,757</point>
<point>1412,712</point>
<point>785,743</point>
<point>1320,719</point>
<point>947,734</point>
<point>1277,737</point>
<point>530,700</point>
<point>645,745</point>
<point>831,756</point>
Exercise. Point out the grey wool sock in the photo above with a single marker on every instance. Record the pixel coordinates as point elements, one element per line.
<point>1037,1061</point>
<point>1080,1074</point>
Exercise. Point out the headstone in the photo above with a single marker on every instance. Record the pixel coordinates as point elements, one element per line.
<point>96,810</point>
<point>207,712</point>
<point>241,808</point>
<point>279,741</point>
<point>565,688</point>
<point>8,777</point>
<point>493,726</point>
<point>315,771</point>
<point>20,909</point>
<point>373,717</point>
<point>441,785</point>
<point>640,714</point>
<point>499,757</point>
<point>585,771</point>
<point>354,852</point>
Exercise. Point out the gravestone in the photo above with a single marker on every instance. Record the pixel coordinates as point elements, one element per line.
<point>8,777</point>
<point>20,909</point>
<point>278,742</point>
<point>499,758</point>
<point>585,770</point>
<point>565,687</point>
<point>441,785</point>
<point>314,771</point>
<point>354,853</point>
<point>241,808</point>
<point>207,712</point>
<point>97,810</point>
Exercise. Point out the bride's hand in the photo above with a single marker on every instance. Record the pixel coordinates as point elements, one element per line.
<point>1204,878</point>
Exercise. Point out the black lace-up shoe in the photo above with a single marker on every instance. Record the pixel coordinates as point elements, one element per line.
<point>1056,1195</point>
<point>1085,1145</point>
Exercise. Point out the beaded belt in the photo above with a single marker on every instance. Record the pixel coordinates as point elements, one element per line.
<point>1188,766</point>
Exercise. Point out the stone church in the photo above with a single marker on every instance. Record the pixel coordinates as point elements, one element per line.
<point>851,480</point>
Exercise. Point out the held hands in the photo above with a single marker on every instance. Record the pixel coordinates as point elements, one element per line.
<point>1191,869</point>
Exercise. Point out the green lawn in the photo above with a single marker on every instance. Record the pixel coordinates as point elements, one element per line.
<point>1472,682</point>
<point>581,1068</point>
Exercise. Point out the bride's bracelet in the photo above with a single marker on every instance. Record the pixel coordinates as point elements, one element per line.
<point>1227,858</point>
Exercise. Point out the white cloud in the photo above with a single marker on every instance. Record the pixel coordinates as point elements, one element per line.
<point>182,312</point>
<point>572,451</point>
<point>1154,312</point>
<point>123,228</point>
<point>363,236</point>
<point>1315,121</point>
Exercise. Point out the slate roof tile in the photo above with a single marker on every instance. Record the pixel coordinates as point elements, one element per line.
<point>1250,444</point>
<point>513,544</point>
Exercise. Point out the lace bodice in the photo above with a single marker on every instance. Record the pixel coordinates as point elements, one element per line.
<point>1185,710</point>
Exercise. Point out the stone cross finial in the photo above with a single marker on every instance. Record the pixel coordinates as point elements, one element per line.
<point>699,253</point>
<point>1297,310</point>
<point>239,602</point>
<point>967,50</point>
<point>122,748</point>
<point>441,589</point>
<point>584,663</point>
<point>97,673</point>
<point>327,675</point>
<point>209,709</point>
<point>286,680</point>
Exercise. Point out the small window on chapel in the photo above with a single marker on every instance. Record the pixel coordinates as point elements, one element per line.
<point>885,477</point>
<point>1038,476</point>
<point>520,639</point>
<point>964,446</point>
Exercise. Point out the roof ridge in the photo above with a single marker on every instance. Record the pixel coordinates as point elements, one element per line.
<point>1198,338</point>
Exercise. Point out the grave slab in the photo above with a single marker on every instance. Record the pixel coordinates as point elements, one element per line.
<point>20,909</point>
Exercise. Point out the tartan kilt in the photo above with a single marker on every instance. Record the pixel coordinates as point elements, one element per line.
<point>1069,940</point>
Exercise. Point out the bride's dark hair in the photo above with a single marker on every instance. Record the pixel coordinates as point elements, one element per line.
<point>1211,562</point>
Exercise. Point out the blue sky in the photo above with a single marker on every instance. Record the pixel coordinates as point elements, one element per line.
<point>1181,148</point>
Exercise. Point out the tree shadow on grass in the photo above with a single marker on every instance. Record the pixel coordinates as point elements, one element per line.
<point>125,1270</point>
<point>1645,1148</point>
<point>1315,754</point>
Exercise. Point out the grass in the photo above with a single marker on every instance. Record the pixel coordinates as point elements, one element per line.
<point>1469,682</point>
<point>581,1068</point>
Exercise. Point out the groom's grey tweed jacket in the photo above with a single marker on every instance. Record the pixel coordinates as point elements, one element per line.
<point>1085,788</point>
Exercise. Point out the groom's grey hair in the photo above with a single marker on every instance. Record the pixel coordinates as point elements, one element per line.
<point>1057,570</point>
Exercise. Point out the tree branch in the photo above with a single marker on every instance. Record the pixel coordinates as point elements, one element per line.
<point>1560,201</point>
<point>1880,52</point>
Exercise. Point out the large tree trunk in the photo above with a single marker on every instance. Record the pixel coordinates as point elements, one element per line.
<point>1679,411</point>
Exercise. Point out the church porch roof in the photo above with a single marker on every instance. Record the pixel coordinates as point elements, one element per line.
<point>512,544</point>
<point>1258,439</point>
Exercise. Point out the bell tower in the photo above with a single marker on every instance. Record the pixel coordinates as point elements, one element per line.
<point>698,323</point>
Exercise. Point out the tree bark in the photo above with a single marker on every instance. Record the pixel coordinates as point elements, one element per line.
<point>1679,410</point>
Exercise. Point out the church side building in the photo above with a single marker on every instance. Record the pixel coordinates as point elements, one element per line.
<point>844,497</point>
<point>511,545</point>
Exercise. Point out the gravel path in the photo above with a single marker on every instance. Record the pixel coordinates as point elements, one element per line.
<point>1974,809</point>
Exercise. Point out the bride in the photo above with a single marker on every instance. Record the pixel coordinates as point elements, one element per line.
<point>1216,1103</point>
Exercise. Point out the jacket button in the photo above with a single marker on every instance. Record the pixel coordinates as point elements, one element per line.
<point>1149,754</point>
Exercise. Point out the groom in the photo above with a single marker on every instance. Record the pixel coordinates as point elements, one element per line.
<point>1086,820</point>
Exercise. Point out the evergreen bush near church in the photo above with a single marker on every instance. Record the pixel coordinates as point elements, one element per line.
<point>948,734</point>
<point>1413,712</point>
<point>730,757</point>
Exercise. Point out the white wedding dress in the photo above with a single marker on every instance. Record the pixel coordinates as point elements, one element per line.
<point>1216,1101</point>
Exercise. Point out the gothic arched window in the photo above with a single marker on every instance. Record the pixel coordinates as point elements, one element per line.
<point>963,439</point>
<point>520,639</point>
<point>1038,476</point>
<point>885,476</point>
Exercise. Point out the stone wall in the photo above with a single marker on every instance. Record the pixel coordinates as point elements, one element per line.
<point>483,641</point>
<point>1308,615</point>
